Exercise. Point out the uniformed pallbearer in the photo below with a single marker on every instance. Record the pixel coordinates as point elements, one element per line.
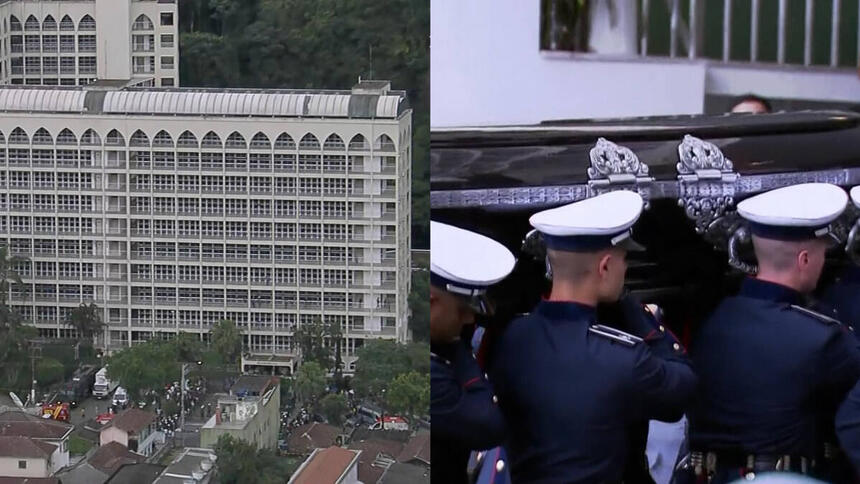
<point>464,410</point>
<point>570,387</point>
<point>844,295</point>
<point>763,360</point>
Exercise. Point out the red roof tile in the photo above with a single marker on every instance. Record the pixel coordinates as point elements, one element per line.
<point>25,447</point>
<point>325,466</point>
<point>109,457</point>
<point>132,420</point>
<point>20,424</point>
<point>418,448</point>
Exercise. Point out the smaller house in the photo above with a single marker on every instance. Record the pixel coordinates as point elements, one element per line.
<point>334,465</point>
<point>134,429</point>
<point>142,473</point>
<point>20,424</point>
<point>29,480</point>
<point>26,457</point>
<point>250,412</point>
<point>314,435</point>
<point>194,464</point>
<point>417,450</point>
<point>103,463</point>
<point>400,473</point>
<point>376,456</point>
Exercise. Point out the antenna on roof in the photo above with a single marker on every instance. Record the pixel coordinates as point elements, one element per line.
<point>370,49</point>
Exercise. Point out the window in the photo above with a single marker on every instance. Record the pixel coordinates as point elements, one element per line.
<point>167,40</point>
<point>166,18</point>
<point>142,23</point>
<point>87,43</point>
<point>167,82</point>
<point>87,65</point>
<point>22,464</point>
<point>67,65</point>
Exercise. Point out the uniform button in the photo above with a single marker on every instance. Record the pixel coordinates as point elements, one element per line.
<point>750,476</point>
<point>676,346</point>
<point>486,377</point>
<point>495,399</point>
<point>662,329</point>
<point>500,465</point>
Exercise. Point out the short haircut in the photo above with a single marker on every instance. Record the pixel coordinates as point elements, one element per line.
<point>778,255</point>
<point>753,98</point>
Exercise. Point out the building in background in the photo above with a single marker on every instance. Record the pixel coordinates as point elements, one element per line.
<point>174,209</point>
<point>75,42</point>
<point>250,412</point>
<point>525,62</point>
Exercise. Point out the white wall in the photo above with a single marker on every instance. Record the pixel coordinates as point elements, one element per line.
<point>35,467</point>
<point>113,434</point>
<point>486,68</point>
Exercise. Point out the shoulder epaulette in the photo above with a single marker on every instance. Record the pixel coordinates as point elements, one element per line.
<point>434,356</point>
<point>615,334</point>
<point>820,317</point>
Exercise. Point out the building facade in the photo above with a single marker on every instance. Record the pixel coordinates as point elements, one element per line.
<point>250,412</point>
<point>174,209</point>
<point>75,42</point>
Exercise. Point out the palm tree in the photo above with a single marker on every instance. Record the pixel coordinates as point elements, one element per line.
<point>87,320</point>
<point>14,333</point>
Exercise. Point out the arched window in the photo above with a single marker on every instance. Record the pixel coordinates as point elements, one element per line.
<point>42,137</point>
<point>236,140</point>
<point>285,142</point>
<point>334,143</point>
<point>87,23</point>
<point>212,140</point>
<point>66,137</point>
<point>309,142</point>
<point>49,23</point>
<point>188,140</point>
<point>31,24</point>
<point>114,138</point>
<point>384,143</point>
<point>139,138</point>
<point>18,136</point>
<point>2,138</point>
<point>14,24</point>
<point>260,142</point>
<point>66,24</point>
<point>163,139</point>
<point>358,143</point>
<point>90,138</point>
<point>142,22</point>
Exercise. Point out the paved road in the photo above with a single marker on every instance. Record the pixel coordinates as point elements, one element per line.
<point>91,407</point>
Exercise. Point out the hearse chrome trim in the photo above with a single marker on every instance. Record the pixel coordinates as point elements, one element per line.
<point>615,167</point>
<point>706,181</point>
<point>538,197</point>
<point>851,243</point>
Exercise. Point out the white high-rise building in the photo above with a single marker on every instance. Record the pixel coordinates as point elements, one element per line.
<point>75,42</point>
<point>175,208</point>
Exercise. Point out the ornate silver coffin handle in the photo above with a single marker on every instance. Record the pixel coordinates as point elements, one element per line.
<point>740,236</point>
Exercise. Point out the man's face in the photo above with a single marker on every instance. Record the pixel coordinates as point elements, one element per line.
<point>448,315</point>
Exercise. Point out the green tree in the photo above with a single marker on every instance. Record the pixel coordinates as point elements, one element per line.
<point>419,306</point>
<point>239,462</point>
<point>333,406</point>
<point>49,371</point>
<point>409,395</point>
<point>321,343</point>
<point>145,366</point>
<point>378,361</point>
<point>310,382</point>
<point>227,340</point>
<point>86,319</point>
<point>14,332</point>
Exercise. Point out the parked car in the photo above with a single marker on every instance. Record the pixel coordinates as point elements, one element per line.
<point>120,398</point>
